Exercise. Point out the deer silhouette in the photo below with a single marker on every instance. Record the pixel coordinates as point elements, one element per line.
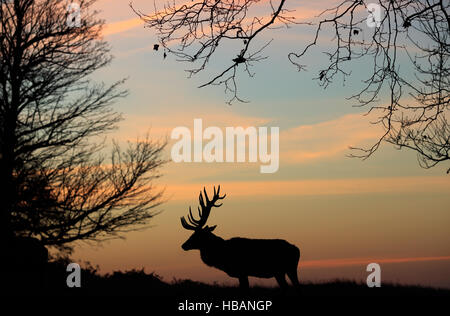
<point>240,257</point>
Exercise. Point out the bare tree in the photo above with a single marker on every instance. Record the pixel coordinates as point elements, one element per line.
<point>407,50</point>
<point>196,29</point>
<point>59,183</point>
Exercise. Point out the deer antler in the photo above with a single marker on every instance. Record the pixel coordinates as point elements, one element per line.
<point>205,210</point>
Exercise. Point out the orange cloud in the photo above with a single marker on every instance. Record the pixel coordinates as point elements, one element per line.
<point>298,144</point>
<point>125,25</point>
<point>333,263</point>
<point>162,125</point>
<point>300,13</point>
<point>363,261</point>
<point>121,26</point>
<point>301,144</point>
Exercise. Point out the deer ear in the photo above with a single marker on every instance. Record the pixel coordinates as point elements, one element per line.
<point>210,229</point>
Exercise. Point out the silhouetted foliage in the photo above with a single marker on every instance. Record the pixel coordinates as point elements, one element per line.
<point>408,58</point>
<point>240,257</point>
<point>60,185</point>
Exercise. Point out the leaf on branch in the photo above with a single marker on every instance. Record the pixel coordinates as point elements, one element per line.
<point>322,75</point>
<point>155,47</point>
<point>239,60</point>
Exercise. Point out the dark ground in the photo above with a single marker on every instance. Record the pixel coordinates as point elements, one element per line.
<point>149,293</point>
<point>138,282</point>
<point>159,297</point>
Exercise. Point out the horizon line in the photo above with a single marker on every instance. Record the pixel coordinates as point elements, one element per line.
<point>323,263</point>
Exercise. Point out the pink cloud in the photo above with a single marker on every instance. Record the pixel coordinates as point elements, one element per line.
<point>300,13</point>
<point>327,139</point>
<point>363,261</point>
<point>121,26</point>
<point>162,125</point>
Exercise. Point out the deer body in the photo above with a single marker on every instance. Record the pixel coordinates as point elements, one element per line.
<point>241,257</point>
<point>263,258</point>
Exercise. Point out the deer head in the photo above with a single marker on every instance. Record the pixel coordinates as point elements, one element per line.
<point>201,232</point>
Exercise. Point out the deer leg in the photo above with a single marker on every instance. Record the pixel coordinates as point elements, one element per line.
<point>292,274</point>
<point>243,282</point>
<point>281,279</point>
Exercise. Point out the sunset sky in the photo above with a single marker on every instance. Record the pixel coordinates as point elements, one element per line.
<point>342,213</point>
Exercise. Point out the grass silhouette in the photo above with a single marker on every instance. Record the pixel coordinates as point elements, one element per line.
<point>139,282</point>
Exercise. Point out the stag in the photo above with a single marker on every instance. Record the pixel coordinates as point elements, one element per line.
<point>240,257</point>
